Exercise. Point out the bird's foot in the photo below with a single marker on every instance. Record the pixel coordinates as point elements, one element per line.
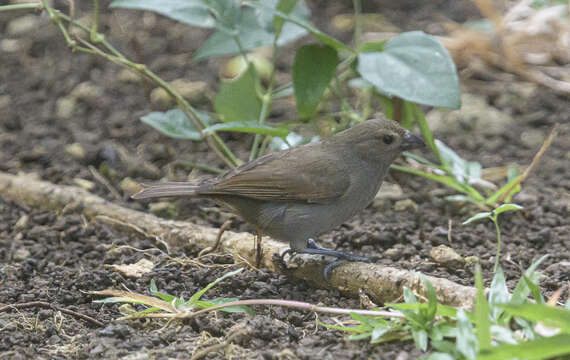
<point>280,259</point>
<point>341,257</point>
<point>314,249</point>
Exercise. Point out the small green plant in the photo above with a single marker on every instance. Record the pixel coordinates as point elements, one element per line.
<point>502,326</point>
<point>494,217</point>
<point>170,303</point>
<point>330,80</point>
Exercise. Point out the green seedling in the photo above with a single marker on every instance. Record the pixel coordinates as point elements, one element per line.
<point>494,217</point>
<point>502,326</point>
<point>166,303</point>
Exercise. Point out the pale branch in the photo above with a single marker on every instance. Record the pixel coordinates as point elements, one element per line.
<point>381,283</point>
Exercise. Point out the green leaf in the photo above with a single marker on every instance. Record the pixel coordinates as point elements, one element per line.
<point>466,340</point>
<point>248,127</point>
<point>495,197</point>
<point>507,207</point>
<point>432,299</point>
<point>237,100</point>
<point>548,315</point>
<point>230,309</point>
<point>409,296</point>
<point>415,67</point>
<point>446,180</point>
<point>285,6</point>
<point>498,294</point>
<point>192,12</point>
<point>482,313</point>
<point>378,332</point>
<point>462,169</point>
<point>439,356</point>
<point>521,291</point>
<point>534,290</point>
<point>297,20</point>
<point>251,35</point>
<point>175,124</point>
<point>481,215</point>
<point>313,69</point>
<point>420,339</point>
<point>162,296</point>
<point>194,299</point>
<point>543,348</point>
<point>425,130</point>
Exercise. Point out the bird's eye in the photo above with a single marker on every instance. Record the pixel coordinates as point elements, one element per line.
<point>388,139</point>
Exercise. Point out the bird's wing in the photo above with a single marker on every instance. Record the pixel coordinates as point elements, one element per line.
<point>287,176</point>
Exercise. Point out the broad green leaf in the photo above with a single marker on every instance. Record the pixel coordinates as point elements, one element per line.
<point>481,215</point>
<point>415,67</point>
<point>313,69</point>
<point>498,293</point>
<point>507,207</point>
<point>482,313</point>
<point>544,348</point>
<point>175,124</point>
<point>466,340</point>
<point>237,100</point>
<point>194,299</point>
<point>251,35</point>
<point>548,315</point>
<point>248,127</point>
<point>192,12</point>
<point>297,20</point>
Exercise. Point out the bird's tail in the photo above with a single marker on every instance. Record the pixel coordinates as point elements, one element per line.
<point>166,189</point>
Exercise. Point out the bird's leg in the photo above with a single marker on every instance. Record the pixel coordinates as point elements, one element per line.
<point>223,229</point>
<point>341,257</point>
<point>258,249</point>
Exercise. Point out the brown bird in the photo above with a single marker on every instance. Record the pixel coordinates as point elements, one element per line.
<point>297,194</point>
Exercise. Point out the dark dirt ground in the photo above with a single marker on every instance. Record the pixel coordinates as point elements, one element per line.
<point>57,258</point>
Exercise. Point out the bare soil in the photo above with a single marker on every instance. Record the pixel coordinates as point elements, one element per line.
<point>58,257</point>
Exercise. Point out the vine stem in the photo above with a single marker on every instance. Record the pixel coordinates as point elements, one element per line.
<point>277,302</point>
<point>214,141</point>
<point>28,6</point>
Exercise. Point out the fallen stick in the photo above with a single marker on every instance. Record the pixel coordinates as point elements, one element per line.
<point>381,283</point>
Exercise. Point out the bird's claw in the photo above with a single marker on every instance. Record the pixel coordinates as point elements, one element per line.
<point>280,259</point>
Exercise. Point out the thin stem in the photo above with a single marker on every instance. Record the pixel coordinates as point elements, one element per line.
<point>498,229</point>
<point>357,22</point>
<point>278,302</point>
<point>30,6</point>
<point>264,145</point>
<point>266,103</point>
<point>214,141</point>
<point>95,24</point>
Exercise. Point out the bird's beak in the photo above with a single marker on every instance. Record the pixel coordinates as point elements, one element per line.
<point>412,141</point>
